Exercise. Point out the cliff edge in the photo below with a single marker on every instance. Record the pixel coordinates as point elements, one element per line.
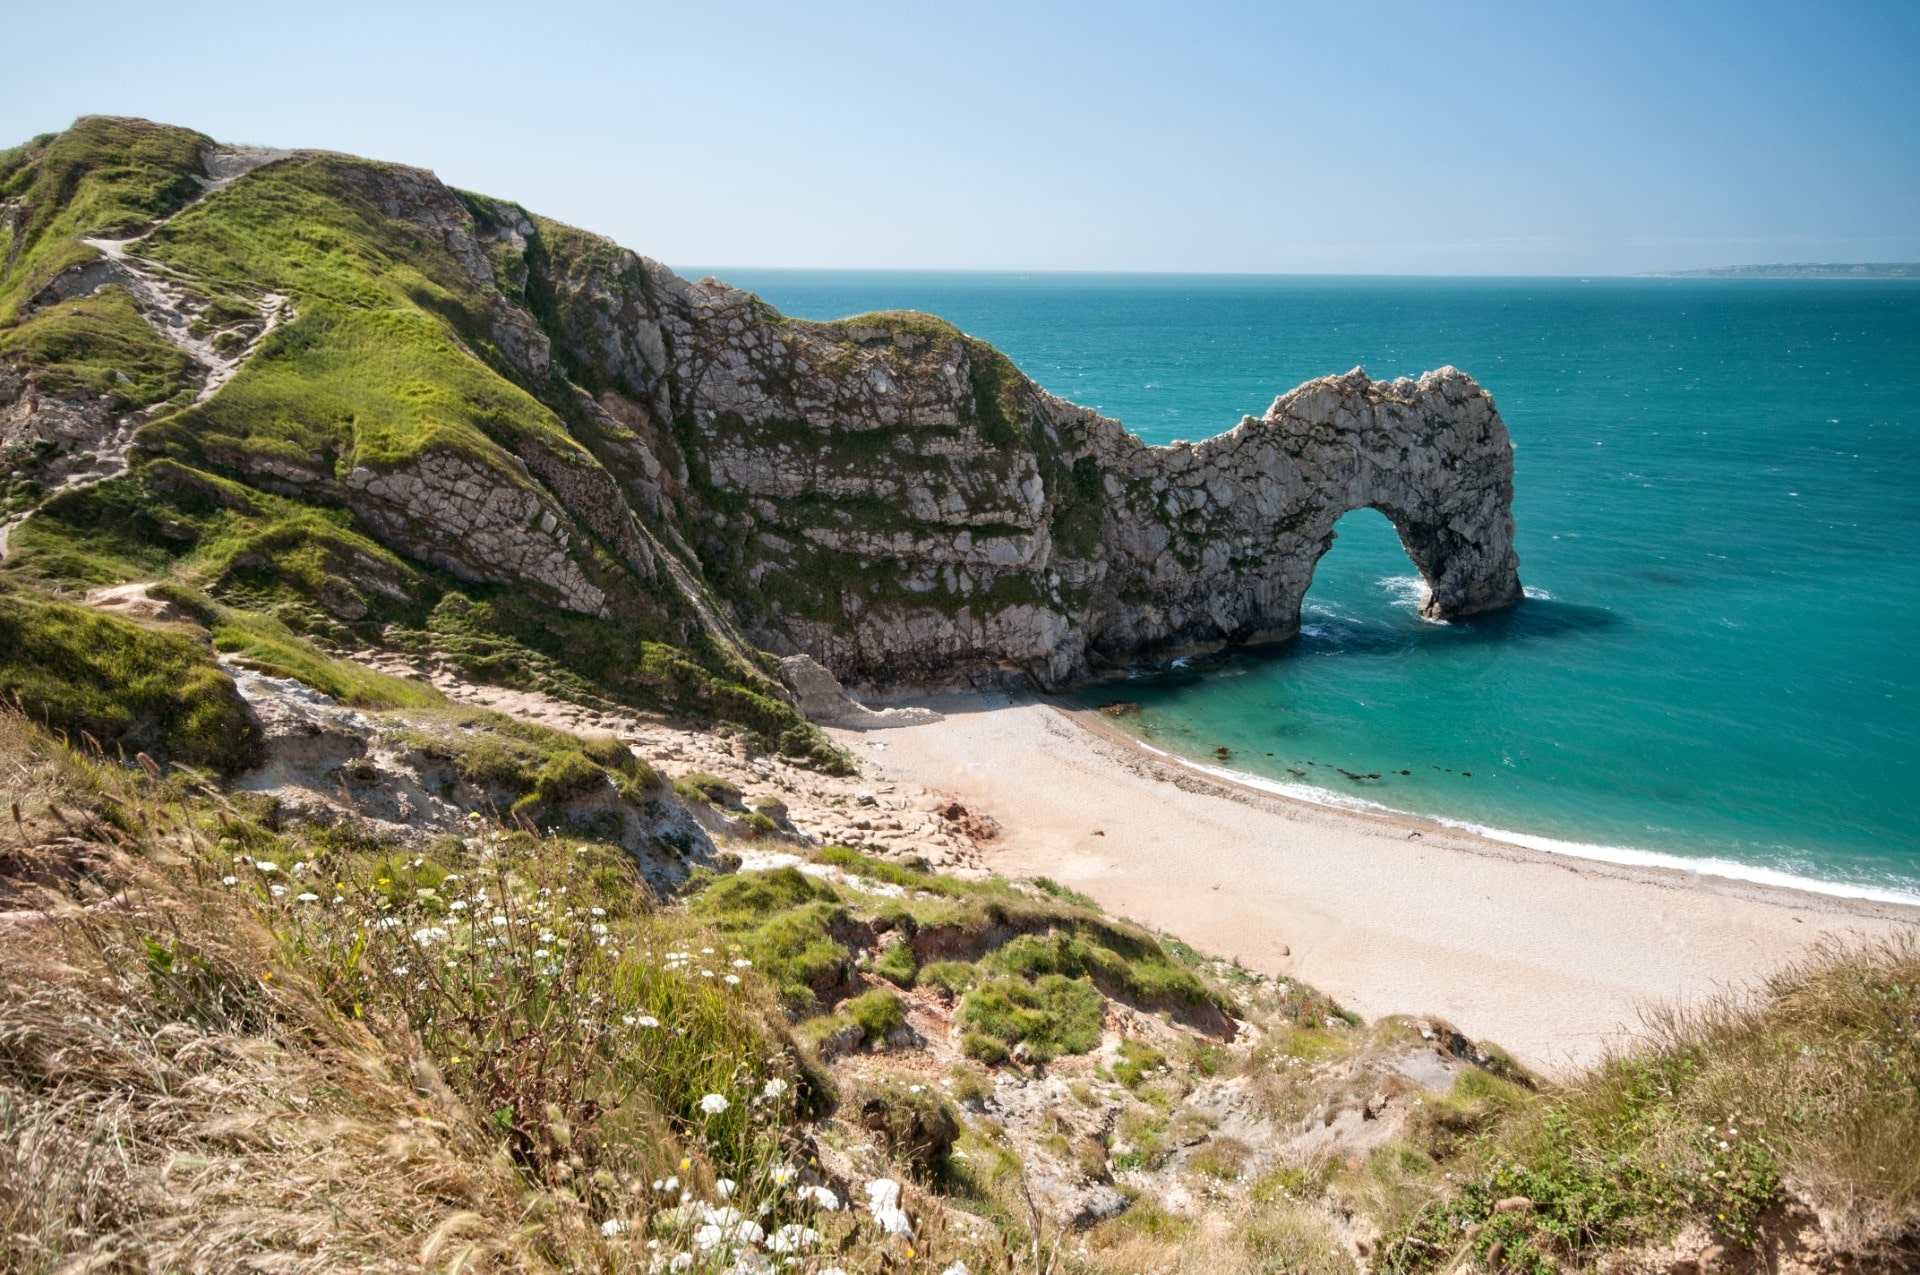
<point>345,390</point>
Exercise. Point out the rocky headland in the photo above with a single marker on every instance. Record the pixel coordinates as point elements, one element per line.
<point>883,493</point>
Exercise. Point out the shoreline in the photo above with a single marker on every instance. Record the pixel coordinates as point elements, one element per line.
<point>1658,866</point>
<point>1551,955</point>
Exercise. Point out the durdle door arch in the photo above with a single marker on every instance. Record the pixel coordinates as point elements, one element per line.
<point>1254,511</point>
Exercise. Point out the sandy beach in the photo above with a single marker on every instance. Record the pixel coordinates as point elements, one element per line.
<point>1550,956</point>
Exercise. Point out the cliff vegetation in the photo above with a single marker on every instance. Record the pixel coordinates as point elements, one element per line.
<point>412,855</point>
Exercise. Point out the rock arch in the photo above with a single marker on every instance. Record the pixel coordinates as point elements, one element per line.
<point>1257,506</point>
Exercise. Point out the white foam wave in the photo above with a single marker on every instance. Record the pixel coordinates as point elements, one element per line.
<point>1408,593</point>
<point>1627,856</point>
<point>1538,595</point>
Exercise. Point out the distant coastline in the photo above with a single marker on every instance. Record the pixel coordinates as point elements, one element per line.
<point>1804,270</point>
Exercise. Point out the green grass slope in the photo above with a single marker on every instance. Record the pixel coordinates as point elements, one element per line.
<point>389,352</point>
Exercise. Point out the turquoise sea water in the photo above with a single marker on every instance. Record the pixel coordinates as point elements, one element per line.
<point>1718,502</point>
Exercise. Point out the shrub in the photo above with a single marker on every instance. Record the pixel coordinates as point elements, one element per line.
<point>912,1121</point>
<point>1052,1015</point>
<point>878,1012</point>
<point>752,897</point>
<point>951,977</point>
<point>897,965</point>
<point>704,787</point>
<point>984,1048</point>
<point>1135,1061</point>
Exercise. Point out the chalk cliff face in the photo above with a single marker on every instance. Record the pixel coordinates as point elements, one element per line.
<point>892,498</point>
<point>518,403</point>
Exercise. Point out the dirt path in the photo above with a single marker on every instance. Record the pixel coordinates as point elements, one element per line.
<point>168,307</point>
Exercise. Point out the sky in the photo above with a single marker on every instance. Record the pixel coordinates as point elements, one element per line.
<point>1337,138</point>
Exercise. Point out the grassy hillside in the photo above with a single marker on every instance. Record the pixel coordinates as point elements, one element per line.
<point>542,1054</point>
<point>386,351</point>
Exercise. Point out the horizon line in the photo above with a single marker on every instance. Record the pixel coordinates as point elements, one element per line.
<point>1697,272</point>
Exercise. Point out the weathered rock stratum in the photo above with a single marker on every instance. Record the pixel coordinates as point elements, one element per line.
<point>552,413</point>
<point>893,499</point>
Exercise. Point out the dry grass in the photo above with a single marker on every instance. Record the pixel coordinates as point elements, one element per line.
<point>194,1078</point>
<point>193,1113</point>
<point>1794,1108</point>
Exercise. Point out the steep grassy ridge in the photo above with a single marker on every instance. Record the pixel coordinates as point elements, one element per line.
<point>388,352</point>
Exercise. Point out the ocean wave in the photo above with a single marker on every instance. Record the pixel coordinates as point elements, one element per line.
<point>1538,595</point>
<point>1626,856</point>
<point>1407,592</point>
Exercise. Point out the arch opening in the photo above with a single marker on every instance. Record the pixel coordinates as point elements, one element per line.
<point>1365,573</point>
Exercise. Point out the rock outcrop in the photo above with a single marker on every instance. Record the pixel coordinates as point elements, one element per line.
<point>895,500</point>
<point>884,494</point>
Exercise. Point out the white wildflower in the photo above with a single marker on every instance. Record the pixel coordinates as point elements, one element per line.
<point>734,979</point>
<point>783,1174</point>
<point>725,1187</point>
<point>883,1201</point>
<point>681,1261</point>
<point>647,1020</point>
<point>792,1238</point>
<point>743,964</point>
<point>229,880</point>
<point>713,1104</point>
<point>458,905</point>
<point>307,897</point>
<point>498,919</point>
<point>958,1268</point>
<point>820,1197</point>
<point>278,890</point>
<point>613,1226</point>
<point>267,866</point>
<point>774,1088</point>
<point>430,935</point>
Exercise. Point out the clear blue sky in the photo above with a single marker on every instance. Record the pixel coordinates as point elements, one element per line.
<point>1526,138</point>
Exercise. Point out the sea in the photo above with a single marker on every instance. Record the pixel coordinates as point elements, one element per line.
<point>1717,492</point>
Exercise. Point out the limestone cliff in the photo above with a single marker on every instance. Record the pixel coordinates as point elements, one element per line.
<point>891,497</point>
<point>521,405</point>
